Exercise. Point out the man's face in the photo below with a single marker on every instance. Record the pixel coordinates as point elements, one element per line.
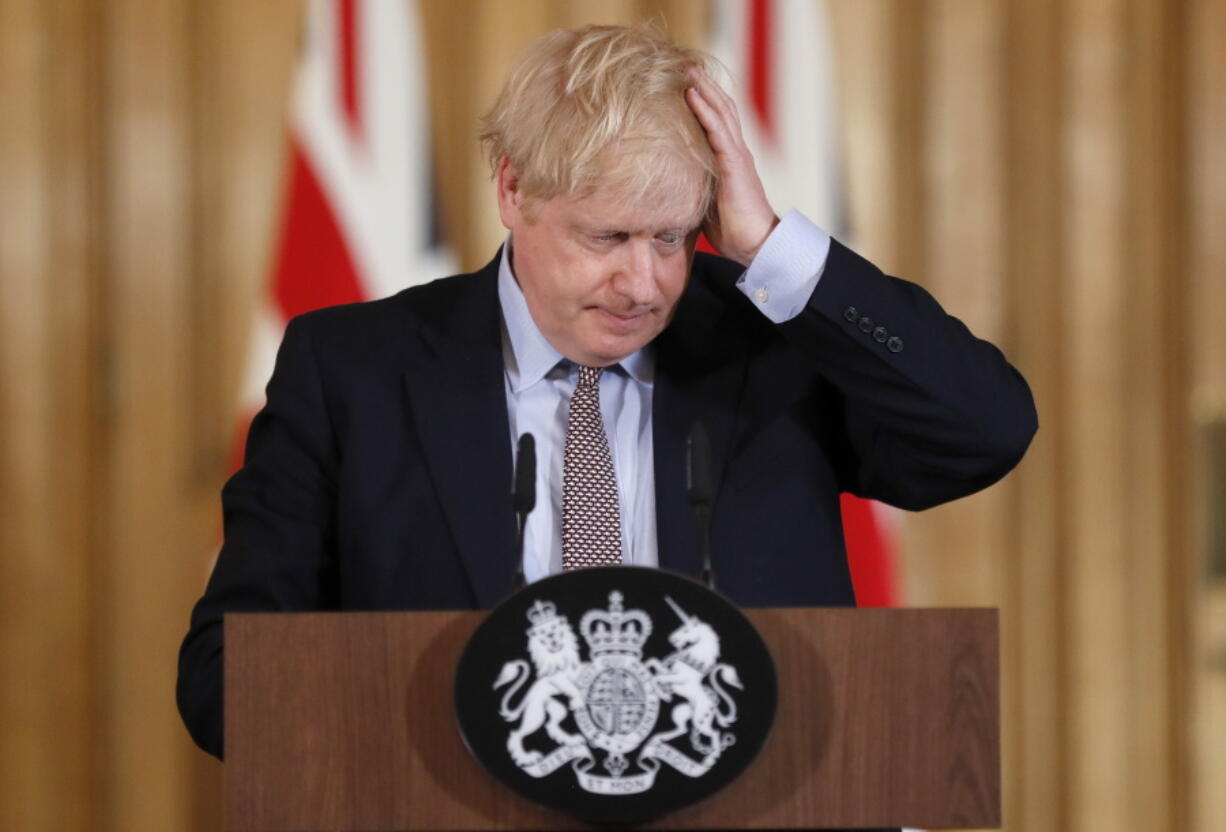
<point>601,278</point>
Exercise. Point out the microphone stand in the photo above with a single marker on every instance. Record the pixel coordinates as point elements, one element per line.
<point>523,500</point>
<point>698,476</point>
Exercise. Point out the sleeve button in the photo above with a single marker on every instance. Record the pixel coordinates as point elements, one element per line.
<point>851,314</point>
<point>866,324</point>
<point>894,344</point>
<point>880,334</point>
<point>761,294</point>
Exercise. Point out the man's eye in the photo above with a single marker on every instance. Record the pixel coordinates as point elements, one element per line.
<point>670,239</point>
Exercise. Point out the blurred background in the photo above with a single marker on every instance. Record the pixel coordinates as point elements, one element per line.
<point>1053,171</point>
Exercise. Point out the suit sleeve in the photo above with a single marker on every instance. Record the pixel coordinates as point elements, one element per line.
<point>932,413</point>
<point>279,537</point>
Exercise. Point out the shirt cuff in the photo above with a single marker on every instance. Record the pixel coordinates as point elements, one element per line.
<point>783,275</point>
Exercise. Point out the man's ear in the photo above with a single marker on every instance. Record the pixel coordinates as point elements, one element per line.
<point>510,197</point>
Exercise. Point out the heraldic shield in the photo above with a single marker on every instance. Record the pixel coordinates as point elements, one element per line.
<point>616,694</point>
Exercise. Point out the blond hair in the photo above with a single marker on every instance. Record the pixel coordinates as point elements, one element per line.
<point>603,107</point>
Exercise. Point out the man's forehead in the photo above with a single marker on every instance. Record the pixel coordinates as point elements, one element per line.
<point>610,211</point>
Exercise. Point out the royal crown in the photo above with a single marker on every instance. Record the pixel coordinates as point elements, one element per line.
<point>615,630</point>
<point>542,612</point>
<point>545,620</point>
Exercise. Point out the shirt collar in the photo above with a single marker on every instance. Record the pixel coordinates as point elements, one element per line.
<point>527,353</point>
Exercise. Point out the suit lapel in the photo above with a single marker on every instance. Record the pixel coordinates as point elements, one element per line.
<point>700,371</point>
<point>458,402</point>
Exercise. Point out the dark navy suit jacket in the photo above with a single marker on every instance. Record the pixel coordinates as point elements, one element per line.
<point>377,477</point>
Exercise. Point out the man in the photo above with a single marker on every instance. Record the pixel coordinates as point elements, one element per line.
<point>377,475</point>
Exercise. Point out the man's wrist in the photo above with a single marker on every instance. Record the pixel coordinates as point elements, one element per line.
<point>746,259</point>
<point>786,268</point>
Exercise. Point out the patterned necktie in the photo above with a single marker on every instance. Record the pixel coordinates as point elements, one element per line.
<point>591,519</point>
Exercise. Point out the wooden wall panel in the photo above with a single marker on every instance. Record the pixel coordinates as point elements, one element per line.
<point>470,44</point>
<point>907,35</point>
<point>1123,188</point>
<point>1094,190</point>
<point>1036,663</point>
<point>1160,430</point>
<point>242,60</point>
<point>48,440</point>
<point>1206,118</point>
<point>862,41</point>
<point>956,554</point>
<point>1205,729</point>
<point>148,215</point>
<point>959,153</point>
<point>454,76</point>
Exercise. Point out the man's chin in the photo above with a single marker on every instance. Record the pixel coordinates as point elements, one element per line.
<point>607,351</point>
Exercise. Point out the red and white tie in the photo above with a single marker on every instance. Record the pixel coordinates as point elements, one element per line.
<point>591,519</point>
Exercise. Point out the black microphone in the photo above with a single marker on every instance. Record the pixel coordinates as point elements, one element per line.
<point>698,484</point>
<point>523,499</point>
<point>523,490</point>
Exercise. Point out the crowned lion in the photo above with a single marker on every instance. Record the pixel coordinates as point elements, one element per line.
<point>555,658</point>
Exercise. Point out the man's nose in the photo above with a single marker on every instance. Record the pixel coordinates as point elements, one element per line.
<point>636,278</point>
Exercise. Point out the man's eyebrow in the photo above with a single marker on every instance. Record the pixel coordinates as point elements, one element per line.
<point>597,227</point>
<point>681,230</point>
<point>678,227</point>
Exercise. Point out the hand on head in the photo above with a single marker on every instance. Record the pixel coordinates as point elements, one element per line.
<point>742,218</point>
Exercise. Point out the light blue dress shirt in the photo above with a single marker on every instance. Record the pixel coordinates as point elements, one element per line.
<point>540,381</point>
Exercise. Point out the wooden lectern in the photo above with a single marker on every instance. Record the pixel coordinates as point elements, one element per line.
<point>344,721</point>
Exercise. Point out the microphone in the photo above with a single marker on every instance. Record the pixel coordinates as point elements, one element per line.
<point>523,499</point>
<point>698,485</point>
<point>523,490</point>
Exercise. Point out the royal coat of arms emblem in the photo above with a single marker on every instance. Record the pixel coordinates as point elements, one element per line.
<point>617,693</point>
<point>616,697</point>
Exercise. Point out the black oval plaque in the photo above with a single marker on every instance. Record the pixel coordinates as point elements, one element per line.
<point>616,694</point>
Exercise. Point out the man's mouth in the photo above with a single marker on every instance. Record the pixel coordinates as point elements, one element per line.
<point>621,318</point>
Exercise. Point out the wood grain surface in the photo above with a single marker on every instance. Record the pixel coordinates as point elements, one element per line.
<point>344,721</point>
